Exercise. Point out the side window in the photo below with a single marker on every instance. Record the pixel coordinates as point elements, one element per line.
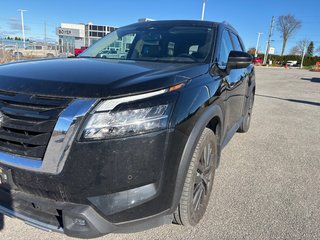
<point>225,48</point>
<point>236,42</point>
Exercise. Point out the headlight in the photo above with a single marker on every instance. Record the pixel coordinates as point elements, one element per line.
<point>126,117</point>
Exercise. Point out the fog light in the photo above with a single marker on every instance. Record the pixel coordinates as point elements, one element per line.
<point>116,202</point>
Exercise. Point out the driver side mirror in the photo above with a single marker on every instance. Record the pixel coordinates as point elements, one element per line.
<point>238,60</point>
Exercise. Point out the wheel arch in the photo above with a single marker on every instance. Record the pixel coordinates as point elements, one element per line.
<point>211,118</point>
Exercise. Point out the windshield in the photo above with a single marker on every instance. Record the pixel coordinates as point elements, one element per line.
<point>160,44</point>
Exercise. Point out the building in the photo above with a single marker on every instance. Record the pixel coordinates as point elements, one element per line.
<point>73,35</point>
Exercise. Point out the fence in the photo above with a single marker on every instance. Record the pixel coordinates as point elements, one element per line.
<point>13,50</point>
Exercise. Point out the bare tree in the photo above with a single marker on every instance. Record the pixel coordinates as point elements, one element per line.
<point>302,46</point>
<point>295,51</point>
<point>251,50</point>
<point>287,26</point>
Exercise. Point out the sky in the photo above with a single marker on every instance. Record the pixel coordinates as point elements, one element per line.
<point>247,16</point>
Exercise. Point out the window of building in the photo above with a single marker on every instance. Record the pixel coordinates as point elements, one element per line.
<point>100,28</point>
<point>95,28</point>
<point>93,34</point>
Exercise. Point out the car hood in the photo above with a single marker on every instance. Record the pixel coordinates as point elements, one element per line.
<point>93,78</point>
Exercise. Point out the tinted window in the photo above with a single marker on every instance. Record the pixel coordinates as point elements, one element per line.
<point>156,43</point>
<point>225,48</point>
<point>236,42</point>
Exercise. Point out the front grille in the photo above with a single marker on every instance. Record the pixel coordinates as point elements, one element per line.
<point>27,122</point>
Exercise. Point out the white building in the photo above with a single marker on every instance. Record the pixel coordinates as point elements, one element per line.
<point>73,35</point>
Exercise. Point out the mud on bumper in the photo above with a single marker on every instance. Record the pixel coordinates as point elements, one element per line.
<point>74,220</point>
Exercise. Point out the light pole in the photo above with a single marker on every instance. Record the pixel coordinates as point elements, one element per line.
<point>203,9</point>
<point>22,26</point>
<point>257,46</point>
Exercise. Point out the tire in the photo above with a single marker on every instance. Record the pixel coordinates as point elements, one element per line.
<point>199,180</point>
<point>18,54</point>
<point>245,125</point>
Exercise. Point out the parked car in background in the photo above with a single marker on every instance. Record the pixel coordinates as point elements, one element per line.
<point>110,54</point>
<point>123,141</point>
<point>292,63</point>
<point>10,48</point>
<point>257,60</point>
<point>37,51</point>
<point>77,51</point>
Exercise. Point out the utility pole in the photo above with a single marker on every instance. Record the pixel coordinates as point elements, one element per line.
<point>269,41</point>
<point>22,26</point>
<point>203,9</point>
<point>257,46</point>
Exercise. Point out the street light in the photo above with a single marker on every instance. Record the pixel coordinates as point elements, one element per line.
<point>203,9</point>
<point>257,46</point>
<point>22,26</point>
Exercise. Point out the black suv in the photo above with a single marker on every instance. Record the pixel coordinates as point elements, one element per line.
<point>127,135</point>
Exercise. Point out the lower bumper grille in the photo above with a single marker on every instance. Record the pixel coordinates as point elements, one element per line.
<point>27,122</point>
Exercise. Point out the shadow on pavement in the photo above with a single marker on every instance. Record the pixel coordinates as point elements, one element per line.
<point>291,100</point>
<point>317,80</point>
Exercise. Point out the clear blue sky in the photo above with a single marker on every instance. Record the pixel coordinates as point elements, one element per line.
<point>248,17</point>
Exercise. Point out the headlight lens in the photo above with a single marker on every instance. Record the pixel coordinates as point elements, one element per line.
<point>127,119</point>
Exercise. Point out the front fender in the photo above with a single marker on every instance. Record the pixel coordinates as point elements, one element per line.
<point>208,114</point>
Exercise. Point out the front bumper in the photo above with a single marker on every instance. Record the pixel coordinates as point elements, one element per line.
<point>74,220</point>
<point>119,185</point>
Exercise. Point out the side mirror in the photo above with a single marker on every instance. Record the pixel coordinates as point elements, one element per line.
<point>238,60</point>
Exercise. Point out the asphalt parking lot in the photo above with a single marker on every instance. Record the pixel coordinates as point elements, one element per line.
<point>268,183</point>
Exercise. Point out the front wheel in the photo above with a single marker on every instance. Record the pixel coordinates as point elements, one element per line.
<point>199,180</point>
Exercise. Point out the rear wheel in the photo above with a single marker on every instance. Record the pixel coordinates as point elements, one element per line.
<point>198,184</point>
<point>245,125</point>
